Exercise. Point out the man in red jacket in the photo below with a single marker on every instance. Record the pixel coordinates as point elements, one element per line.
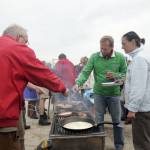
<point>65,69</point>
<point>19,66</point>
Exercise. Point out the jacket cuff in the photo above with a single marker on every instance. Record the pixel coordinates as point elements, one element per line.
<point>131,108</point>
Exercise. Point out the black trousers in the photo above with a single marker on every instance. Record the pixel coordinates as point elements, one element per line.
<point>141,131</point>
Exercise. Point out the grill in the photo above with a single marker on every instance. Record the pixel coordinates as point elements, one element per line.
<point>58,130</point>
<point>63,139</point>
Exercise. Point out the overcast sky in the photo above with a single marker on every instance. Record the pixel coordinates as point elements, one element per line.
<point>75,27</point>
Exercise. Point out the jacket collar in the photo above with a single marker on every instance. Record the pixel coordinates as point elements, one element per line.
<point>112,55</point>
<point>135,52</point>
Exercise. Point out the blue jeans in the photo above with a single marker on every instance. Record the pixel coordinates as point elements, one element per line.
<point>114,107</point>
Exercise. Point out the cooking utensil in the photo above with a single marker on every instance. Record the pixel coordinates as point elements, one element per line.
<point>65,114</point>
<point>70,113</point>
<point>64,106</point>
<point>110,83</point>
<point>81,114</point>
<point>76,123</point>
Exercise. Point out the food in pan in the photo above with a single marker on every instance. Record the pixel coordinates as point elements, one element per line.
<point>78,125</point>
<point>64,105</point>
<point>65,113</point>
<point>81,114</point>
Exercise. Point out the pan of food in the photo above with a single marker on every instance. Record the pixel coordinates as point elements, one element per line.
<point>64,106</point>
<point>77,123</point>
<point>65,114</point>
<point>70,113</point>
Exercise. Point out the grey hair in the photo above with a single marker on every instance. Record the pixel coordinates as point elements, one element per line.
<point>15,30</point>
<point>108,38</point>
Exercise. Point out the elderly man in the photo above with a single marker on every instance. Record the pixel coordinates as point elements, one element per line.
<point>19,66</point>
<point>106,65</point>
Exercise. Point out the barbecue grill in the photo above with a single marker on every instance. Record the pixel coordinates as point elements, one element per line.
<point>63,139</point>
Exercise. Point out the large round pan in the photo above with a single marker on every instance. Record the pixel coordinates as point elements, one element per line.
<point>64,106</point>
<point>65,114</point>
<point>76,123</point>
<point>70,113</point>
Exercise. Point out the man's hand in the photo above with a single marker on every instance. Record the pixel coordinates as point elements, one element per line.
<point>131,115</point>
<point>77,88</point>
<point>110,75</point>
<point>66,93</point>
<point>120,82</point>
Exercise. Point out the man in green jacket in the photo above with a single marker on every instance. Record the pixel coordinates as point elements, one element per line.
<point>107,66</point>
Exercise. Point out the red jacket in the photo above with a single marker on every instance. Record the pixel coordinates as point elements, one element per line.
<point>66,71</point>
<point>19,65</point>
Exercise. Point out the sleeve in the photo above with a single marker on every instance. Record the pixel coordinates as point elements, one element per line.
<point>138,82</point>
<point>85,73</point>
<point>38,74</point>
<point>122,68</point>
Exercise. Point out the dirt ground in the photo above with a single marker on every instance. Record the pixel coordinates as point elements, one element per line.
<point>38,133</point>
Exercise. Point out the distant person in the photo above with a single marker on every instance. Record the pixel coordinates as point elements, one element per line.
<point>38,95</point>
<point>28,96</point>
<point>65,69</point>
<point>44,95</point>
<point>80,66</point>
<point>19,66</point>
<point>31,95</point>
<point>89,83</point>
<point>137,90</point>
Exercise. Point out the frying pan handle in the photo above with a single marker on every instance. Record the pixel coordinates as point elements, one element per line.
<point>106,122</point>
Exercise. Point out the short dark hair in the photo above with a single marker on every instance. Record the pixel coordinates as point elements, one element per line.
<point>134,36</point>
<point>62,56</point>
<point>109,39</point>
